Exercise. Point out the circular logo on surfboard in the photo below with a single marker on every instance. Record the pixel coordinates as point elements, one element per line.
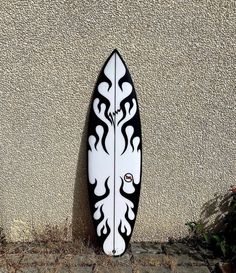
<point>128,177</point>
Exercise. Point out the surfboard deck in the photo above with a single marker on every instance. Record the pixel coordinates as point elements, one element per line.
<point>114,156</point>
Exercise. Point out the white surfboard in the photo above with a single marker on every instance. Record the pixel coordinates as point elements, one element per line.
<point>114,156</point>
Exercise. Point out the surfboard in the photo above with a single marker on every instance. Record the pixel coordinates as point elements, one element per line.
<point>114,156</point>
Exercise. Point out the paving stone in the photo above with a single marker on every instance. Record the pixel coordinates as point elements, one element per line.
<point>137,248</point>
<point>124,259</point>
<point>32,258</point>
<point>185,255</point>
<point>148,259</point>
<point>152,269</point>
<point>213,262</point>
<point>30,270</point>
<point>103,260</point>
<point>178,248</point>
<point>79,269</point>
<point>43,259</point>
<point>155,248</point>
<point>81,260</point>
<point>115,269</point>
<point>184,259</point>
<point>192,269</point>
<point>2,260</point>
<point>44,269</point>
<point>207,253</point>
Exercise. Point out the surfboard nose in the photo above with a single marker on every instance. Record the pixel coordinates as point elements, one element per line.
<point>115,51</point>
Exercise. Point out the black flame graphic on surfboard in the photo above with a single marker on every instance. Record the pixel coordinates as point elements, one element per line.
<point>114,156</point>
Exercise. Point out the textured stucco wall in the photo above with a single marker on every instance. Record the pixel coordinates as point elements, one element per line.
<point>181,55</point>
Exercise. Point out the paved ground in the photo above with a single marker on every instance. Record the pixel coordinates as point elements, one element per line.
<point>140,258</point>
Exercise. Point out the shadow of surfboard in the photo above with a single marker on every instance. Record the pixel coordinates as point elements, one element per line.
<point>82,225</point>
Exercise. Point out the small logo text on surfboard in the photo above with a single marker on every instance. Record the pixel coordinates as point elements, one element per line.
<point>128,177</point>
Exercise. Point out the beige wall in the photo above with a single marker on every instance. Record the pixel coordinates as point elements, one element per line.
<point>181,55</point>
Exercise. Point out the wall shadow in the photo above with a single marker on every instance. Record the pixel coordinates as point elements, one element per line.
<point>82,224</point>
